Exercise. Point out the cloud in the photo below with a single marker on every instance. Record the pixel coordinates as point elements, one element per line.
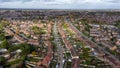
<point>61,4</point>
<point>58,2</point>
<point>112,1</point>
<point>14,0</point>
<point>26,0</point>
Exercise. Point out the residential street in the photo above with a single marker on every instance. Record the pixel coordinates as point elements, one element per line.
<point>111,58</point>
<point>59,47</point>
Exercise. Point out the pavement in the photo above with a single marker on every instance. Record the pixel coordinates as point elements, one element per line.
<point>60,48</point>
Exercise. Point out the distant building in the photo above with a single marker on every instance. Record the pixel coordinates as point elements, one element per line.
<point>20,39</point>
<point>33,42</point>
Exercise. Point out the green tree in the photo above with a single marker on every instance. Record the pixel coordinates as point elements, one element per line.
<point>117,24</point>
<point>2,60</point>
<point>4,44</point>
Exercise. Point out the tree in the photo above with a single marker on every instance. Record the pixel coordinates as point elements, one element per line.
<point>117,24</point>
<point>2,60</point>
<point>13,48</point>
<point>2,37</point>
<point>5,44</point>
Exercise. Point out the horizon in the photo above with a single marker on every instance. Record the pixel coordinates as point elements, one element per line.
<point>50,9</point>
<point>59,4</point>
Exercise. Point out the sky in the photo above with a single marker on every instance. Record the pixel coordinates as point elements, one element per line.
<point>61,4</point>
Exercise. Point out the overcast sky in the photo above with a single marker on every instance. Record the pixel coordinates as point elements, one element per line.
<point>61,4</point>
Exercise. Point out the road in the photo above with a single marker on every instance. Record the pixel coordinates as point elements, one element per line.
<point>60,48</point>
<point>74,55</point>
<point>111,58</point>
